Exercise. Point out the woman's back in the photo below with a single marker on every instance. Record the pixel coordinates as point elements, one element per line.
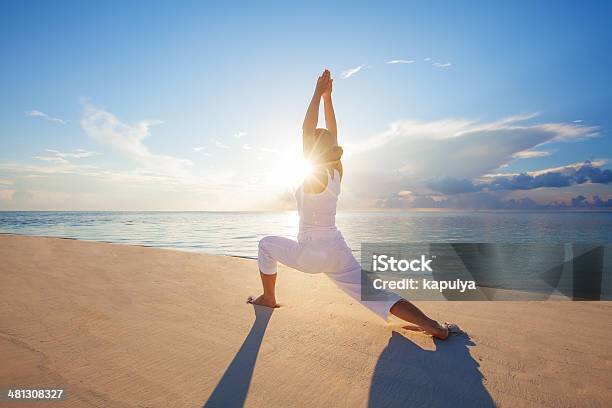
<point>318,210</point>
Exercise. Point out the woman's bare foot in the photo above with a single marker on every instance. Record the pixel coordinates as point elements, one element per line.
<point>263,301</point>
<point>440,332</point>
<point>437,330</point>
<point>410,313</point>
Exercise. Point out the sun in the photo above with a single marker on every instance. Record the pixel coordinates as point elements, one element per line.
<point>303,168</point>
<point>293,170</point>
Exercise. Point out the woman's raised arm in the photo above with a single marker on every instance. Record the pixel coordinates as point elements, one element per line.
<point>312,114</point>
<point>330,116</point>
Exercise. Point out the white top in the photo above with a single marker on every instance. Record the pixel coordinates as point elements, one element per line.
<point>318,211</point>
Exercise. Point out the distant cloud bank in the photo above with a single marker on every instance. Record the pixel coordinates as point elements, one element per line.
<point>454,161</point>
<point>586,172</point>
<point>487,201</point>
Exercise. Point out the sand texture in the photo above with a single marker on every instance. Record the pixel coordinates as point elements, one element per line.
<point>127,326</point>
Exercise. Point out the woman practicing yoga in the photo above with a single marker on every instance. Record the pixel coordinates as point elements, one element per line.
<point>320,247</point>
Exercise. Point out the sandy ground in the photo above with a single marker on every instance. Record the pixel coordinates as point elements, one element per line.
<point>127,326</point>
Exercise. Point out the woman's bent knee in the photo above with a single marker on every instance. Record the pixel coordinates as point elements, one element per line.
<point>265,242</point>
<point>267,264</point>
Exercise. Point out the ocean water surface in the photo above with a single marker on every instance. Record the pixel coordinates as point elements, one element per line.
<point>237,233</point>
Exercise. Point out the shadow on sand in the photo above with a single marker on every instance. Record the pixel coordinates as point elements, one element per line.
<point>408,376</point>
<point>232,389</point>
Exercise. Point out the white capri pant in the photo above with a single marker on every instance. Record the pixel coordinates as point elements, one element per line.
<point>331,256</point>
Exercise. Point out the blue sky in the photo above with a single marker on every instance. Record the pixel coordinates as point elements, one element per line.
<point>198,106</point>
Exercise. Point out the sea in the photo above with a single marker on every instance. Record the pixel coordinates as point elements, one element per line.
<point>237,233</point>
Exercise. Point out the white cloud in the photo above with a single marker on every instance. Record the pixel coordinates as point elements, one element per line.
<point>568,168</point>
<point>528,154</point>
<point>415,130</point>
<point>400,61</point>
<point>221,145</point>
<point>502,123</point>
<point>427,59</point>
<point>76,154</point>
<point>82,187</point>
<point>104,127</point>
<point>56,156</point>
<point>566,132</point>
<point>442,65</point>
<point>352,71</point>
<point>268,150</point>
<point>411,152</point>
<point>153,181</point>
<point>240,134</point>
<point>260,149</point>
<point>37,113</point>
<point>54,159</point>
<point>201,150</point>
<point>577,121</point>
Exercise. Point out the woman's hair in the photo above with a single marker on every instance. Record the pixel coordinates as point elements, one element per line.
<point>325,152</point>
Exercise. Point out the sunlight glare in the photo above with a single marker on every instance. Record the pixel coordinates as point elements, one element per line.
<point>293,171</point>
